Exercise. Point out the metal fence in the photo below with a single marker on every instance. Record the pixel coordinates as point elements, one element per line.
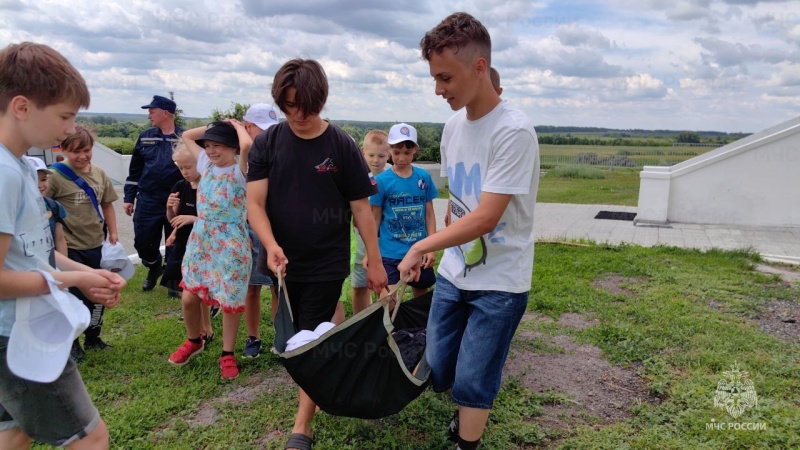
<point>616,157</point>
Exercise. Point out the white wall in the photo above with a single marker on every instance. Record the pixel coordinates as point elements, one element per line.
<point>754,181</point>
<point>114,164</point>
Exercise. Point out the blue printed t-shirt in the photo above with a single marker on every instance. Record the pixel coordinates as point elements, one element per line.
<point>402,201</point>
<point>24,217</point>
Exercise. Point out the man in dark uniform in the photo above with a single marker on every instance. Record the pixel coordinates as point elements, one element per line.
<point>151,176</point>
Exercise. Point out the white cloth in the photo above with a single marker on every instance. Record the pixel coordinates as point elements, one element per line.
<point>305,336</point>
<point>498,153</point>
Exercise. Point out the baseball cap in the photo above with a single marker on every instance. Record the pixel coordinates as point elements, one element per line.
<point>402,132</point>
<point>162,103</point>
<point>221,132</point>
<point>261,114</point>
<point>42,334</point>
<point>36,163</point>
<point>115,260</point>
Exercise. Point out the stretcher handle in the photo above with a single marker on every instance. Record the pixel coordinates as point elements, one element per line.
<point>282,287</point>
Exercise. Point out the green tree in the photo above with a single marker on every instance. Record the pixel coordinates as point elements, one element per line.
<point>179,120</point>
<point>236,111</point>
<point>688,137</point>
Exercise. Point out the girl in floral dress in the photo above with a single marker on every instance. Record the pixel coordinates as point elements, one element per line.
<point>216,268</point>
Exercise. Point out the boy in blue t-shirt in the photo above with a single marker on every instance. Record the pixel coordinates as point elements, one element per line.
<point>403,208</point>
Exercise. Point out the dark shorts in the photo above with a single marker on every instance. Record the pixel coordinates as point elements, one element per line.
<point>313,302</point>
<point>427,277</point>
<point>57,413</point>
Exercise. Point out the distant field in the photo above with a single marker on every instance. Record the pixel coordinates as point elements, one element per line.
<point>639,156</point>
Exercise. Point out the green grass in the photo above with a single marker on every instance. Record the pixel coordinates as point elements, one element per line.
<point>666,328</point>
<point>581,172</point>
<point>618,187</point>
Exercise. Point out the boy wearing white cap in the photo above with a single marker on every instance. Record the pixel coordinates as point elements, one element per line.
<point>403,208</point>
<point>40,94</point>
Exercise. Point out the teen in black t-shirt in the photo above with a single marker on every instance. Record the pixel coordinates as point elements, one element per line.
<point>311,185</point>
<point>305,179</point>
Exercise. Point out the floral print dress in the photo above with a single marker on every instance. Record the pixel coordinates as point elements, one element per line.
<point>218,256</point>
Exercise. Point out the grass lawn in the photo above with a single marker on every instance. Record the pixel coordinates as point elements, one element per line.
<point>687,318</point>
<point>619,187</point>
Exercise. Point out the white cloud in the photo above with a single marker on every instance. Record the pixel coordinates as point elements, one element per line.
<point>685,64</point>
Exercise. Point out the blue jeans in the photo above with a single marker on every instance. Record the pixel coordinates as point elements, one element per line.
<point>468,337</point>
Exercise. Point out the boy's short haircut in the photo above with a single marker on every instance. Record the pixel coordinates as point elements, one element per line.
<point>494,75</point>
<point>310,82</point>
<point>461,32</point>
<point>377,137</point>
<point>82,138</point>
<point>41,74</point>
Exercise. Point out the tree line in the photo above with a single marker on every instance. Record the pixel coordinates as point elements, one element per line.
<point>121,135</point>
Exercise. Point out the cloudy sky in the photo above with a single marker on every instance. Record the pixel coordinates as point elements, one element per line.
<point>727,65</point>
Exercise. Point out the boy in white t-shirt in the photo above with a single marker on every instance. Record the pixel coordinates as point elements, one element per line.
<point>490,155</point>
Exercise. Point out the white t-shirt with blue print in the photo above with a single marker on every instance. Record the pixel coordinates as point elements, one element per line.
<point>23,216</point>
<point>403,202</point>
<point>498,153</point>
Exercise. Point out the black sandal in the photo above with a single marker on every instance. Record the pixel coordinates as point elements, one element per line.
<point>299,441</point>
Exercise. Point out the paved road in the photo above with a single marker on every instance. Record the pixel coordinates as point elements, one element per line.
<point>562,221</point>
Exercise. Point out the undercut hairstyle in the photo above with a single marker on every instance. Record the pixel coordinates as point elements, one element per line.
<point>462,33</point>
<point>40,74</point>
<point>377,137</point>
<point>82,138</point>
<point>310,82</point>
<point>494,75</point>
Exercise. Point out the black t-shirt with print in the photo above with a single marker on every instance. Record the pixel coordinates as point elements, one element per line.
<point>311,182</point>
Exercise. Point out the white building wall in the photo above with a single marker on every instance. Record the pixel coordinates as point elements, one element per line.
<point>114,164</point>
<point>751,182</point>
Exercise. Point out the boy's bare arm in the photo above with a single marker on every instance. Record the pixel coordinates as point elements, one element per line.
<point>101,286</point>
<point>377,214</point>
<point>60,239</point>
<point>260,223</point>
<point>376,274</point>
<point>473,225</point>
<point>430,227</point>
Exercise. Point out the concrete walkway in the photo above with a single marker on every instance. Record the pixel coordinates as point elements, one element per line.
<point>554,221</point>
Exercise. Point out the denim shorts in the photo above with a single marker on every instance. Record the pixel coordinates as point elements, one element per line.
<point>57,413</point>
<point>468,337</point>
<point>426,277</point>
<point>256,277</point>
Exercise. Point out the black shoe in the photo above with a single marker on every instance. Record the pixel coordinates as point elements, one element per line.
<point>174,293</point>
<point>152,277</point>
<point>452,430</point>
<point>214,311</point>
<point>76,354</point>
<point>96,344</point>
